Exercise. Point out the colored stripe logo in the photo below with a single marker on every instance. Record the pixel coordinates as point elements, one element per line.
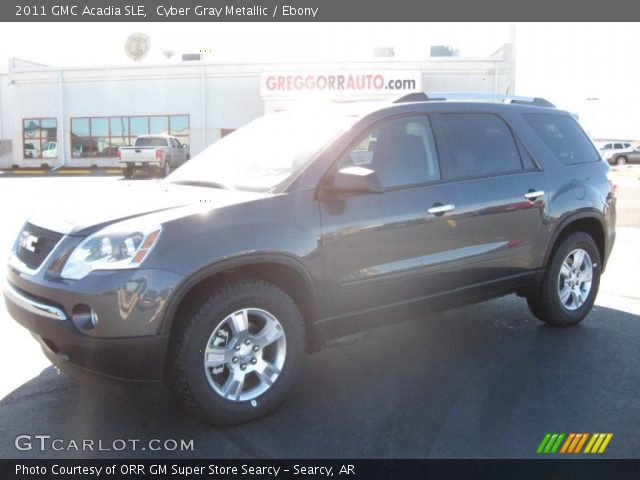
<point>574,443</point>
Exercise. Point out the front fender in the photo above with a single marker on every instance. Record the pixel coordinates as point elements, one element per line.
<point>241,260</point>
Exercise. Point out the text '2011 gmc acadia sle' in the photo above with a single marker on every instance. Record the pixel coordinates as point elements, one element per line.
<point>312,224</point>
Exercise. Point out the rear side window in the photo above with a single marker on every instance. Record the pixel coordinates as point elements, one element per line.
<point>564,137</point>
<point>151,142</point>
<point>476,144</point>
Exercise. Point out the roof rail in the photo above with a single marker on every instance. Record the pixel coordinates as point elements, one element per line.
<point>471,96</point>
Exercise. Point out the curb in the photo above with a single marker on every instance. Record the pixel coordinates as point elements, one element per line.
<point>40,172</point>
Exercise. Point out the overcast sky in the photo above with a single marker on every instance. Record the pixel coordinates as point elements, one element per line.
<point>566,63</point>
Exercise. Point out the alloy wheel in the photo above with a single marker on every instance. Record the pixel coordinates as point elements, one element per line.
<point>245,354</point>
<point>574,280</point>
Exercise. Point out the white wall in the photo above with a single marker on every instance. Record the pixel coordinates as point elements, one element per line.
<point>231,91</point>
<point>6,156</point>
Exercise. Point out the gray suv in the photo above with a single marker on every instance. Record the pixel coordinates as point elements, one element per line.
<point>309,225</point>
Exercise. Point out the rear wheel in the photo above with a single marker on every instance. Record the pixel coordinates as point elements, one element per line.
<point>621,161</point>
<point>238,356</point>
<point>128,172</point>
<point>166,169</point>
<point>570,283</point>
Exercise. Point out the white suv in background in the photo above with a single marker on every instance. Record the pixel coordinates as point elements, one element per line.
<point>609,148</point>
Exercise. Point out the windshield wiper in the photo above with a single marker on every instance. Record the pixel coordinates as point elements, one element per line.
<point>203,183</point>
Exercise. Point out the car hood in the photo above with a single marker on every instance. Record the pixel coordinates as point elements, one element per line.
<point>82,216</point>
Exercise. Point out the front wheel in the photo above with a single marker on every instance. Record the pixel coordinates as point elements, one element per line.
<point>239,354</point>
<point>621,161</point>
<point>571,282</point>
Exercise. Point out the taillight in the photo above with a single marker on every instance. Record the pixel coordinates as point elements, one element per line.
<point>158,154</point>
<point>119,154</point>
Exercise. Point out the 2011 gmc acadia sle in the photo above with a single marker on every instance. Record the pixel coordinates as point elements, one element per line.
<point>307,225</point>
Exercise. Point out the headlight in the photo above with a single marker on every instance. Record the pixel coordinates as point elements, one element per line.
<point>113,248</point>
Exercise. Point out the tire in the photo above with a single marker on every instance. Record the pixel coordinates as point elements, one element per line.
<point>166,169</point>
<point>128,172</point>
<point>621,161</point>
<point>549,306</point>
<point>195,384</point>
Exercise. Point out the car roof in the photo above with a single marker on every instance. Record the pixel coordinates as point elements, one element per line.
<point>153,135</point>
<point>460,106</point>
<point>419,101</point>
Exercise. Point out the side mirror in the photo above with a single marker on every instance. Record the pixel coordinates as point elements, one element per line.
<point>356,180</point>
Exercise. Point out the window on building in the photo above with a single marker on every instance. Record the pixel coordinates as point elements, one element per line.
<point>102,136</point>
<point>476,145</point>
<point>39,137</point>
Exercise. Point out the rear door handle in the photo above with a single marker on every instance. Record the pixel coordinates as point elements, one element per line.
<point>533,194</point>
<point>441,209</point>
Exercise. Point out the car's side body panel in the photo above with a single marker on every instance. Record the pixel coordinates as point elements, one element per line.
<point>365,258</point>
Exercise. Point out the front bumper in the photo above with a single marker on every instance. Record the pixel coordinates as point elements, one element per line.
<point>126,344</point>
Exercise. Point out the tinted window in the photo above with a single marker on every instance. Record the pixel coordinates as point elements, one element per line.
<point>564,137</point>
<point>617,146</point>
<point>401,151</point>
<point>476,144</point>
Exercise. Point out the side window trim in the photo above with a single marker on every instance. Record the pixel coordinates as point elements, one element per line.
<point>523,149</point>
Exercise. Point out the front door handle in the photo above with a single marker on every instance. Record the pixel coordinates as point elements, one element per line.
<point>441,209</point>
<point>533,194</point>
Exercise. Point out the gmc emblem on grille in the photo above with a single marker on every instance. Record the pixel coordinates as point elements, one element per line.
<point>28,241</point>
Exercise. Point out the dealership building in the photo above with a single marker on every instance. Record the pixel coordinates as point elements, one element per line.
<point>79,116</point>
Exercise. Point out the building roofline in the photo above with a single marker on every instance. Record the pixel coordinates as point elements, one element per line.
<point>294,64</point>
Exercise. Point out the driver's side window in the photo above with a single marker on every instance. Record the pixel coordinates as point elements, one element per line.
<point>401,151</point>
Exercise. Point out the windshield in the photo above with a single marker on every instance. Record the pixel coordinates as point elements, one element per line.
<point>264,153</point>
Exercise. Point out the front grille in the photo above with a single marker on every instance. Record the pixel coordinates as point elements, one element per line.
<point>41,240</point>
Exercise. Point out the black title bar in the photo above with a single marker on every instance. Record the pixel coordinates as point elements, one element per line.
<point>313,10</point>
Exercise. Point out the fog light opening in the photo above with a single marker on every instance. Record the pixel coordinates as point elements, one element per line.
<point>84,317</point>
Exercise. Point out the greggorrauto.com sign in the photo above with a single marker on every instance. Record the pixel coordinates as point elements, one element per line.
<point>339,83</point>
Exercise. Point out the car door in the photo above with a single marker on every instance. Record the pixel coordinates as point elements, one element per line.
<point>172,153</point>
<point>500,195</point>
<point>180,152</point>
<point>386,248</point>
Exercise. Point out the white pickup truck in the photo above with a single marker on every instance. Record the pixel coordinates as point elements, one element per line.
<point>156,153</point>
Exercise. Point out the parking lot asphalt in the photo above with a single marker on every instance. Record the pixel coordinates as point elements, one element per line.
<point>487,381</point>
